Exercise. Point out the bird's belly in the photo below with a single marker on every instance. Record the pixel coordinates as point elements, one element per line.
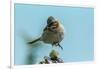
<point>50,37</point>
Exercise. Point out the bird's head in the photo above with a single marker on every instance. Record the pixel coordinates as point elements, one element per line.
<point>52,22</point>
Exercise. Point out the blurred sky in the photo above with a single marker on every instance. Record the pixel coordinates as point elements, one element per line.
<point>30,21</point>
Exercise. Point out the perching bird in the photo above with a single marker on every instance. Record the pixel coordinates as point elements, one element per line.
<point>53,33</point>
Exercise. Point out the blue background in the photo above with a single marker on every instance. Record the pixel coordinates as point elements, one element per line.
<point>30,21</point>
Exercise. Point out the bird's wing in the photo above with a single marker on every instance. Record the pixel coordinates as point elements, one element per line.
<point>45,29</point>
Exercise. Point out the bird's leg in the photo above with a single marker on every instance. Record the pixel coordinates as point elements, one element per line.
<point>60,46</point>
<point>57,44</point>
<point>53,44</point>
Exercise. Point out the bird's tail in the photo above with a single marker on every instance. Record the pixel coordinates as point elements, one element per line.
<point>34,41</point>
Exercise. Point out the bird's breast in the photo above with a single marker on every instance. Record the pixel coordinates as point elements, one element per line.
<point>50,37</point>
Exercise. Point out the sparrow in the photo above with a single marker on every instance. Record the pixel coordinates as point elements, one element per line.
<point>52,34</point>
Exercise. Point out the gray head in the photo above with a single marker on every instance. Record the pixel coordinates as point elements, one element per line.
<point>50,20</point>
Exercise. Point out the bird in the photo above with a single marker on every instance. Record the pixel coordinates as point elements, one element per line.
<point>53,33</point>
